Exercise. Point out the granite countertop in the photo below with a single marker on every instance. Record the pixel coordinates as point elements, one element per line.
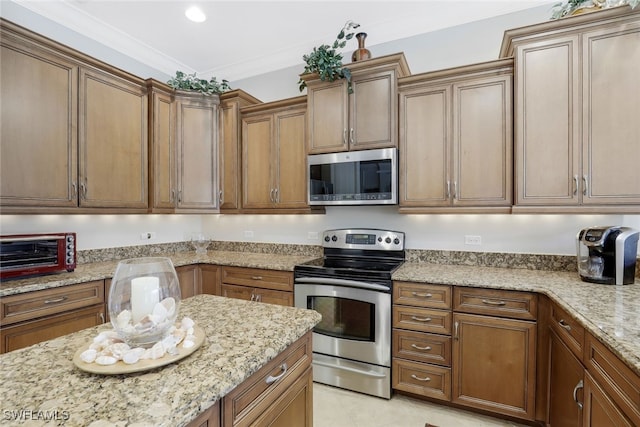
<point>610,313</point>
<point>240,338</point>
<point>103,270</point>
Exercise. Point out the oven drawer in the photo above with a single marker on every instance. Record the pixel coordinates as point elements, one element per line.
<point>422,295</point>
<point>422,379</point>
<point>258,278</point>
<point>422,347</point>
<point>422,319</point>
<point>495,302</point>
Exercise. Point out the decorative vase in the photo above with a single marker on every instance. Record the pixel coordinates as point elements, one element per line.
<point>361,53</point>
<point>144,300</point>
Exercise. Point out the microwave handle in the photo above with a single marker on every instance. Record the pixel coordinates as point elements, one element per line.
<point>32,238</point>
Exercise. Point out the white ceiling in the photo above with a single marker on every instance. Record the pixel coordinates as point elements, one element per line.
<point>241,38</point>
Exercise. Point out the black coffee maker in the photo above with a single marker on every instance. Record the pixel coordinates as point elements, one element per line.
<point>607,254</point>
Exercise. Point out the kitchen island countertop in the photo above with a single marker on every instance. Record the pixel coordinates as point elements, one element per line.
<point>240,338</point>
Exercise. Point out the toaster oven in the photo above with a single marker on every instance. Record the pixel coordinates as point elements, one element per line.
<point>30,254</point>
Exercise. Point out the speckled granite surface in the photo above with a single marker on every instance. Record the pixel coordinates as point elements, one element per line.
<point>611,313</point>
<point>241,337</point>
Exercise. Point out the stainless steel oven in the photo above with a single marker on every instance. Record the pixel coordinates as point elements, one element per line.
<point>351,288</point>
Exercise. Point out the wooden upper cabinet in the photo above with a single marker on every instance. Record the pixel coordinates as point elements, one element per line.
<point>365,119</point>
<point>197,151</point>
<point>112,141</point>
<point>38,138</point>
<point>274,156</point>
<point>576,133</point>
<point>229,149</point>
<point>456,139</point>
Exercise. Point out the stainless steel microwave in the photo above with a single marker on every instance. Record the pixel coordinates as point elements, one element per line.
<point>367,177</point>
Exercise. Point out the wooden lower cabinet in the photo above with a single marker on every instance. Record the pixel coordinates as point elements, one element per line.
<point>253,284</point>
<point>27,333</point>
<point>599,409</point>
<point>210,279</point>
<point>494,364</point>
<point>566,381</point>
<point>189,278</point>
<point>257,294</point>
<point>422,379</point>
<point>209,418</point>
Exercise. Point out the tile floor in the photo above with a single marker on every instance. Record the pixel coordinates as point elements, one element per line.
<point>334,407</point>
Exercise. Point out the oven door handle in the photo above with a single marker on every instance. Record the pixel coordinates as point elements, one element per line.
<point>350,369</point>
<point>342,282</point>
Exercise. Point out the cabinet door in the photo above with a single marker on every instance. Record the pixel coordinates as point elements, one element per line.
<point>28,333</point>
<point>112,141</point>
<point>38,137</point>
<point>566,379</point>
<point>546,122</point>
<point>294,408</point>
<point>189,280</point>
<point>482,141</point>
<point>257,158</point>
<point>328,105</point>
<point>197,140</point>
<point>610,125</point>
<point>210,279</point>
<point>373,111</point>
<point>273,297</point>
<point>425,146</point>
<point>239,292</point>
<point>163,168</point>
<point>494,364</point>
<point>290,137</point>
<point>599,409</point>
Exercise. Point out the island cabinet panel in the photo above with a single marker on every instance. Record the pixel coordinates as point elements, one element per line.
<point>274,157</point>
<point>38,138</point>
<point>280,393</point>
<point>586,67</point>
<point>456,139</point>
<point>209,418</point>
<point>230,148</point>
<point>363,119</point>
<point>112,128</point>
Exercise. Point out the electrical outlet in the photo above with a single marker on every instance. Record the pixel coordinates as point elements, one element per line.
<point>148,235</point>
<point>248,234</point>
<point>473,240</point>
<point>312,235</point>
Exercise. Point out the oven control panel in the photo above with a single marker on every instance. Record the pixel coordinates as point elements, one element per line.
<point>373,239</point>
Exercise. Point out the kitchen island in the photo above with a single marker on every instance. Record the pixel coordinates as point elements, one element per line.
<point>241,337</point>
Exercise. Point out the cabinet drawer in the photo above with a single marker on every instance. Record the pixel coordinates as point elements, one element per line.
<point>422,295</point>
<point>492,302</point>
<point>247,401</point>
<point>616,378</point>
<point>422,347</point>
<point>31,305</point>
<point>568,329</point>
<point>422,379</point>
<point>258,278</point>
<point>422,319</point>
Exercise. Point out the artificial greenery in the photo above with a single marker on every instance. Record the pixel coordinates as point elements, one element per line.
<point>184,81</point>
<point>327,61</point>
<point>560,10</point>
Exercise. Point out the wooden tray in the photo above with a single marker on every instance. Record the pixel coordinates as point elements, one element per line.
<point>143,365</point>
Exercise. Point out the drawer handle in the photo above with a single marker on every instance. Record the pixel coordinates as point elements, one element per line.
<point>271,379</point>
<point>575,393</point>
<point>419,295</point>
<point>256,277</point>
<point>55,300</point>
<point>421,319</point>
<point>425,379</point>
<point>489,302</point>
<point>564,324</point>
<point>417,347</point>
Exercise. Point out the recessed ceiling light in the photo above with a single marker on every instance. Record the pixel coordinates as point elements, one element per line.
<point>195,14</point>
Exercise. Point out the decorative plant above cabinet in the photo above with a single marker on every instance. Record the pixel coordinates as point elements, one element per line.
<point>576,7</point>
<point>190,82</point>
<point>327,62</point>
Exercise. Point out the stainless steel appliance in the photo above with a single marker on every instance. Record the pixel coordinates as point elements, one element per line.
<point>607,254</point>
<point>351,287</point>
<point>368,177</point>
<point>29,254</point>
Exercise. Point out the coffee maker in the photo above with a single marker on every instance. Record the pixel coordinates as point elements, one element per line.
<point>607,254</point>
